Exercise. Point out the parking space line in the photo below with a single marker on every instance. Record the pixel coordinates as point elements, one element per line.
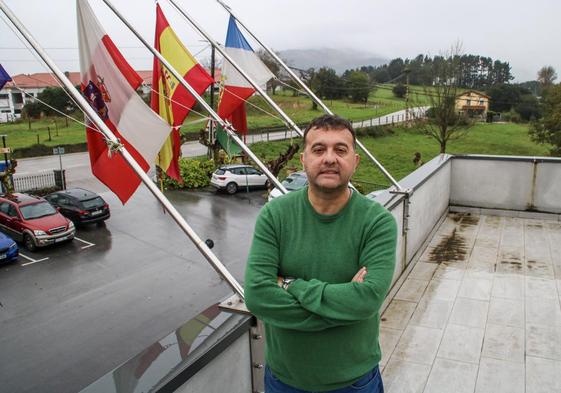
<point>31,259</point>
<point>88,244</point>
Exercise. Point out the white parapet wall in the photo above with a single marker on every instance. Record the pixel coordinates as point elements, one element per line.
<point>519,184</point>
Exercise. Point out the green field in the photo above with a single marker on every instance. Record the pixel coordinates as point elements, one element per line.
<point>19,135</point>
<point>299,109</point>
<point>397,150</point>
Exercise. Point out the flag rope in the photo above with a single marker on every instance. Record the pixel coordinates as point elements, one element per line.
<point>253,105</point>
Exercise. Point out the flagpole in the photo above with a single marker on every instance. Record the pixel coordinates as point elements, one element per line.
<point>226,126</point>
<point>309,91</point>
<point>288,121</point>
<point>94,117</point>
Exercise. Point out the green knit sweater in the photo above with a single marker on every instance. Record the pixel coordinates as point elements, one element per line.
<point>321,333</point>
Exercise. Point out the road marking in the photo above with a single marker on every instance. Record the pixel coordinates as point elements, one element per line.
<point>31,259</point>
<point>88,244</point>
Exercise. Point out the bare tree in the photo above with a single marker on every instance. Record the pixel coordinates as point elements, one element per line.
<point>444,122</point>
<point>273,66</point>
<point>546,76</point>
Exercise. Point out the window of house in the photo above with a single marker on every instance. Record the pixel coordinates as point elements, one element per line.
<point>18,98</point>
<point>3,96</point>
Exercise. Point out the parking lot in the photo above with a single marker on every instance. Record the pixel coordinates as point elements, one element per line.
<point>74,311</point>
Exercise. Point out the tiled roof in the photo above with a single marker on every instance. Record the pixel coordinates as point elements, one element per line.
<point>41,79</point>
<point>47,79</point>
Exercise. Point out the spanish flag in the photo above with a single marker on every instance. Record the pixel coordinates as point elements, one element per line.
<point>171,100</point>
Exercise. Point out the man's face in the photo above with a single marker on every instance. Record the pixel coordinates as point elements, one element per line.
<point>329,159</point>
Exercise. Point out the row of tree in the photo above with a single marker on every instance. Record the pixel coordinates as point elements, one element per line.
<point>473,71</point>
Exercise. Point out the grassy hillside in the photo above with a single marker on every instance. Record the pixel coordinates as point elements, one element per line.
<point>396,151</point>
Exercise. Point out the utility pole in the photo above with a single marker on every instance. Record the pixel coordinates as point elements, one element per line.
<point>407,70</point>
<point>211,138</point>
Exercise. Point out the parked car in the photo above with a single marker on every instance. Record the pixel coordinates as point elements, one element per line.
<point>79,205</point>
<point>9,249</point>
<point>234,177</point>
<point>33,221</point>
<point>293,182</point>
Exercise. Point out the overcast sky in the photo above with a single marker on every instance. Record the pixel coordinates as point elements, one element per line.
<point>524,33</point>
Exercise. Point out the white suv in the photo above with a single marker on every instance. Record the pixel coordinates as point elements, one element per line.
<point>234,177</point>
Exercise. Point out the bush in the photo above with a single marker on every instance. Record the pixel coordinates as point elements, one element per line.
<point>512,116</point>
<point>32,110</point>
<point>399,90</point>
<point>374,131</point>
<point>195,174</point>
<point>38,150</point>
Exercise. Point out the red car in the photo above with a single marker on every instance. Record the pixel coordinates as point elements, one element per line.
<point>33,221</point>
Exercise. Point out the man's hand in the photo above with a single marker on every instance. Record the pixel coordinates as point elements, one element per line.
<point>279,281</point>
<point>359,276</point>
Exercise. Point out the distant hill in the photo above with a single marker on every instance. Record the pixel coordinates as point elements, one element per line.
<point>338,59</point>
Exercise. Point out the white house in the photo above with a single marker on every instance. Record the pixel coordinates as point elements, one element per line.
<point>23,87</point>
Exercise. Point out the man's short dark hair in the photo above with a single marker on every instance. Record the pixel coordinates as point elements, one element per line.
<point>331,122</point>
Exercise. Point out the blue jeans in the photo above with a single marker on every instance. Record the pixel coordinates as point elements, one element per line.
<point>369,383</point>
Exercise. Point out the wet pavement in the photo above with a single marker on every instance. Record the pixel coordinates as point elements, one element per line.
<point>480,311</point>
<point>84,307</point>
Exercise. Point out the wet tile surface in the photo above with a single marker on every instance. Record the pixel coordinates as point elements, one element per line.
<point>451,376</point>
<point>480,311</point>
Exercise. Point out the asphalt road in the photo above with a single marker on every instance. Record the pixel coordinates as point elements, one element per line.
<point>84,307</point>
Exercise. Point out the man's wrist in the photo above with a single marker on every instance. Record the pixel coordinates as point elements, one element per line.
<point>286,281</point>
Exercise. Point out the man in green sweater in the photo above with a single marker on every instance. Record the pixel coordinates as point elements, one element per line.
<point>319,268</point>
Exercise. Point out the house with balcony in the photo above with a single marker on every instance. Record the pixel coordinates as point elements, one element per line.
<point>473,103</point>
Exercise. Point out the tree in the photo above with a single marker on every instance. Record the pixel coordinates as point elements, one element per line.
<point>528,108</point>
<point>546,76</point>
<point>273,66</point>
<point>548,129</point>
<point>395,68</point>
<point>57,100</point>
<point>504,97</point>
<point>358,86</point>
<point>444,123</point>
<point>399,90</point>
<point>32,110</point>
<point>326,84</point>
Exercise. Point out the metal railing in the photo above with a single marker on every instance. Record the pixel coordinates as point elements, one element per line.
<point>39,181</point>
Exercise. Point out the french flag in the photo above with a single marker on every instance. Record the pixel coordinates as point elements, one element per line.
<point>236,89</point>
<point>109,83</point>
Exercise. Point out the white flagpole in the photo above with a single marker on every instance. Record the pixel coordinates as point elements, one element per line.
<point>227,127</point>
<point>309,91</point>
<point>93,116</point>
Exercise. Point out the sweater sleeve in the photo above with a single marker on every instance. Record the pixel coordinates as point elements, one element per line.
<point>355,301</point>
<point>263,297</point>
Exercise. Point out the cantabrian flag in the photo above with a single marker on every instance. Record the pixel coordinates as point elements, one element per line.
<point>109,83</point>
<point>172,101</point>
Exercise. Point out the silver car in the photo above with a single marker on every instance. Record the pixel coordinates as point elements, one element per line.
<point>231,178</point>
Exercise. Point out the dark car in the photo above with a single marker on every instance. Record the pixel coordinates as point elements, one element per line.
<point>79,205</point>
<point>9,250</point>
<point>33,221</point>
